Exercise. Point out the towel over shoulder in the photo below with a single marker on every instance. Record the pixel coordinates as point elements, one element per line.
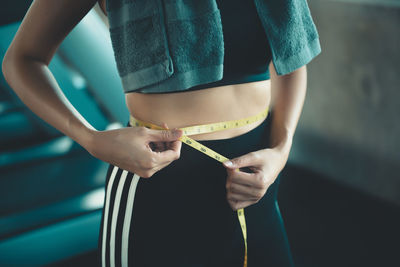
<point>169,45</point>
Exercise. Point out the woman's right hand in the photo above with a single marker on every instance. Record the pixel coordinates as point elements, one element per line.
<point>131,148</point>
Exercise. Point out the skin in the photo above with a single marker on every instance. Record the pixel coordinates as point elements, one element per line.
<point>145,151</point>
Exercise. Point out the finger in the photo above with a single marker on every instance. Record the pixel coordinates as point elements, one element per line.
<point>149,172</point>
<point>251,159</point>
<point>160,167</point>
<point>164,135</point>
<point>165,126</point>
<point>243,204</point>
<point>168,155</point>
<point>174,145</point>
<point>246,191</point>
<point>161,146</point>
<point>232,202</point>
<point>248,179</point>
<point>238,197</point>
<point>236,205</point>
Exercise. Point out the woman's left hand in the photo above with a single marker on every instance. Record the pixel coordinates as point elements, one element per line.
<point>244,188</point>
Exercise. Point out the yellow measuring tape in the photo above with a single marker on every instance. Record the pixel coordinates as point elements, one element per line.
<point>207,128</point>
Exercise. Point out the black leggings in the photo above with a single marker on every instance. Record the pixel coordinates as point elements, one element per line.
<point>180,216</point>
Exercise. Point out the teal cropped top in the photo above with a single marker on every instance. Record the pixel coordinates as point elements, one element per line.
<point>247,53</point>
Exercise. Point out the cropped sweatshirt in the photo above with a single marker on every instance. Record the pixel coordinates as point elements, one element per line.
<point>173,45</point>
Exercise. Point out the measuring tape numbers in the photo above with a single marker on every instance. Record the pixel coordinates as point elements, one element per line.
<point>207,128</point>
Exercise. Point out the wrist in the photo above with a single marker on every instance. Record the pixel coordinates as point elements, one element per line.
<point>87,139</point>
<point>283,144</point>
<point>84,136</point>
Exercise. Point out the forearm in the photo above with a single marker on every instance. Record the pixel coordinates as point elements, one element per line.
<point>37,88</point>
<point>288,94</point>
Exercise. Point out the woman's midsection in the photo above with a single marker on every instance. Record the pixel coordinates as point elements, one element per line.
<point>187,108</point>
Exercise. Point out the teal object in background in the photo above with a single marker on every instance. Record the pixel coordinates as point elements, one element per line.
<point>88,47</point>
<point>66,76</point>
<point>85,69</point>
<point>51,188</point>
<point>50,244</point>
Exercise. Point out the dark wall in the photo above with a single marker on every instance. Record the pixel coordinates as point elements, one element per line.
<point>349,129</point>
<point>13,10</point>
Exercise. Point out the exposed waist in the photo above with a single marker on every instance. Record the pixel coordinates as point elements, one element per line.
<point>204,106</point>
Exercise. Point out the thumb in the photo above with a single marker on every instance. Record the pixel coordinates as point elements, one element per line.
<point>239,162</point>
<point>166,135</point>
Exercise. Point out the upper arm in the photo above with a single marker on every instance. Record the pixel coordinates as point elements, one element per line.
<point>271,68</point>
<point>44,27</point>
<point>275,76</point>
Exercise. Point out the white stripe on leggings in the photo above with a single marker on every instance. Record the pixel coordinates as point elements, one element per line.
<point>106,208</point>
<point>127,221</point>
<point>115,216</point>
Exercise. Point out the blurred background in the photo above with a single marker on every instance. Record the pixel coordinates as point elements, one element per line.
<point>339,193</point>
